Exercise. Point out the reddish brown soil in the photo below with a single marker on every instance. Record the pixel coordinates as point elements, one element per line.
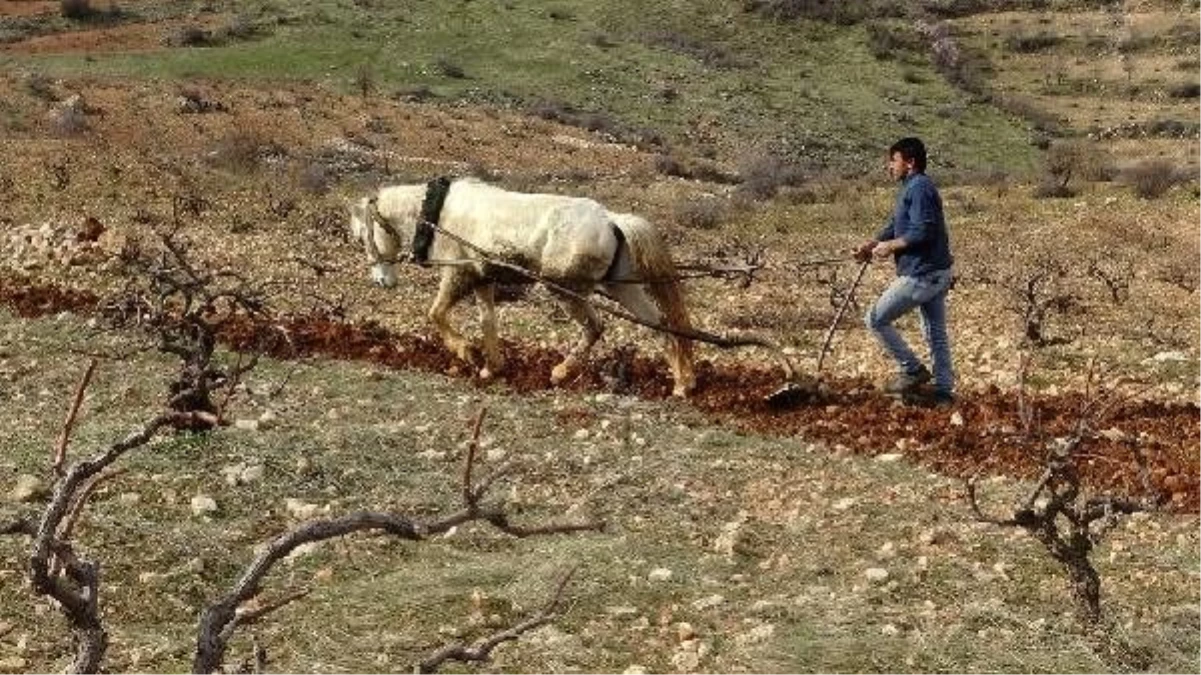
<point>133,37</point>
<point>28,7</point>
<point>853,414</point>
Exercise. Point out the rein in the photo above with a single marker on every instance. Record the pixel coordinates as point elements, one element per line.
<point>722,341</point>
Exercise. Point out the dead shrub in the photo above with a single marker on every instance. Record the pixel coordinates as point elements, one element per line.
<point>1030,44</point>
<point>190,36</point>
<point>448,68</point>
<point>704,212</point>
<point>242,150</point>
<point>75,9</point>
<point>39,86</point>
<point>764,174</point>
<point>1063,161</point>
<point>1151,178</point>
<point>1186,90</point>
<point>364,79</point>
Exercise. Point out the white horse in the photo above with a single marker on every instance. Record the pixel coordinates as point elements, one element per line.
<point>484,234</point>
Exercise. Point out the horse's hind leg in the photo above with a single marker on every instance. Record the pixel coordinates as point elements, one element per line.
<point>635,298</point>
<point>584,314</point>
<point>453,288</point>
<point>485,296</point>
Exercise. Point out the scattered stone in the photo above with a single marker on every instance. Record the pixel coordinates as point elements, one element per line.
<point>756,635</point>
<point>1169,356</point>
<point>876,575</point>
<point>844,503</point>
<point>203,505</point>
<point>956,419</point>
<point>1114,434</point>
<point>252,473</point>
<point>936,536</point>
<point>29,488</point>
<point>708,602</point>
<point>246,425</point>
<point>635,669</point>
<point>659,574</point>
<point>890,630</point>
<point>887,552</point>
<point>301,510</point>
<point>685,631</point>
<point>13,664</point>
<point>889,457</point>
<point>268,420</point>
<point>686,660</point>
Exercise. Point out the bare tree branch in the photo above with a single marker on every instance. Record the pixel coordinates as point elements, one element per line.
<point>1064,521</point>
<point>64,436</point>
<point>219,619</point>
<point>482,650</point>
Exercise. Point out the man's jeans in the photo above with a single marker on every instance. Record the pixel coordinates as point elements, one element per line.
<point>927,293</point>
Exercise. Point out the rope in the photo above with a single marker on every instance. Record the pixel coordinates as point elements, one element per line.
<point>722,341</point>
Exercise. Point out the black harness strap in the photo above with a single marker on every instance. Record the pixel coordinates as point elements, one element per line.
<point>431,211</point>
<point>621,242</point>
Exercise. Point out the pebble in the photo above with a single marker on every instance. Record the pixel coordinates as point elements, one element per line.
<point>29,488</point>
<point>659,574</point>
<point>876,574</point>
<point>203,505</point>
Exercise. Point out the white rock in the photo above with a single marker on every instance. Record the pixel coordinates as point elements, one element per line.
<point>887,552</point>
<point>300,509</point>
<point>1169,356</point>
<point>889,457</point>
<point>889,630</point>
<point>1114,434</point>
<point>252,473</point>
<point>203,505</point>
<point>659,574</point>
<point>29,488</point>
<point>685,631</point>
<point>707,602</point>
<point>876,574</point>
<point>686,660</point>
<point>233,473</point>
<point>844,503</point>
<point>580,434</point>
<point>268,420</point>
<point>13,664</point>
<point>246,425</point>
<point>635,669</point>
<point>757,634</point>
<point>956,419</point>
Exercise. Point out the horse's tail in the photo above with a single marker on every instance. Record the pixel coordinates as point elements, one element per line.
<point>652,261</point>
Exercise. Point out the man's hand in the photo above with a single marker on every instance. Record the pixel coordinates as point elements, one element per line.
<point>887,248</point>
<point>863,252</point>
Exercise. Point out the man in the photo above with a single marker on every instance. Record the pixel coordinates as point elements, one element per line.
<point>916,238</point>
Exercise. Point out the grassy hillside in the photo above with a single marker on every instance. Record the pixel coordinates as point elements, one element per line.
<point>709,77</point>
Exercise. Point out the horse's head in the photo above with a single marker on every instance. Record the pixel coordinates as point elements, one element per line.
<point>378,238</point>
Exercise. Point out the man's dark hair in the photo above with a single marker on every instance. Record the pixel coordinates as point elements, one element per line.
<point>911,149</point>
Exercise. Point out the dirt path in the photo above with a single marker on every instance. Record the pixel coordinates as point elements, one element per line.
<point>980,435</point>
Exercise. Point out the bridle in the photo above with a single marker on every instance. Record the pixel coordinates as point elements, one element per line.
<point>376,220</point>
<point>423,231</point>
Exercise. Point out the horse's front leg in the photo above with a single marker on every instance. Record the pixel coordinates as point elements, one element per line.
<point>494,362</point>
<point>453,288</point>
<point>586,316</point>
